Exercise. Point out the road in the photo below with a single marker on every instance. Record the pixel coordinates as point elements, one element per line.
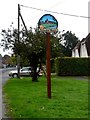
<point>5,75</point>
<point>3,78</point>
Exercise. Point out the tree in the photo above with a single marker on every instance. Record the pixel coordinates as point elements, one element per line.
<point>69,42</point>
<point>56,46</point>
<point>26,45</point>
<point>35,40</point>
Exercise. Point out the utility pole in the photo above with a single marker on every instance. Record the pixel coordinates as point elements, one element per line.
<point>23,23</point>
<point>18,56</point>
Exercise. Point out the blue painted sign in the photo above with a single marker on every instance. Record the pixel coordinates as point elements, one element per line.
<point>48,23</point>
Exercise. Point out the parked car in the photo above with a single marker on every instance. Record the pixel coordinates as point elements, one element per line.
<point>25,71</point>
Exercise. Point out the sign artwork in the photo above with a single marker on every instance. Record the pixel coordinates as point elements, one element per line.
<point>48,23</point>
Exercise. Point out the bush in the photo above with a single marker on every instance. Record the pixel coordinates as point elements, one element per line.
<point>52,65</point>
<point>69,66</point>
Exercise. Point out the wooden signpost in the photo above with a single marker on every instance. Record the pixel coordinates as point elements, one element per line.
<point>48,24</point>
<point>48,66</point>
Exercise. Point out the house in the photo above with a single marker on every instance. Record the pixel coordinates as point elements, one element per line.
<point>82,48</point>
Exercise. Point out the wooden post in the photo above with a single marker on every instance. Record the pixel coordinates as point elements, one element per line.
<point>48,65</point>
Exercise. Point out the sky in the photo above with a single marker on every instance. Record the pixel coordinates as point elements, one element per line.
<point>78,25</point>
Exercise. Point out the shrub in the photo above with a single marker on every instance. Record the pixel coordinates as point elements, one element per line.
<point>72,66</point>
<point>52,65</point>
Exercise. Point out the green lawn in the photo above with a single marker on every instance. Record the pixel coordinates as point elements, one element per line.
<point>27,99</point>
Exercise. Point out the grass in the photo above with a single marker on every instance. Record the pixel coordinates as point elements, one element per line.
<point>27,99</point>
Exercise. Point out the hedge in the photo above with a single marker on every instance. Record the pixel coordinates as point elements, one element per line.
<point>52,65</point>
<point>69,66</point>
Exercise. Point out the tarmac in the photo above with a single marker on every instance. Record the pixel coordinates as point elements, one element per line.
<point>4,77</point>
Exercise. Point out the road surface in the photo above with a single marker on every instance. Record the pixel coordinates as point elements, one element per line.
<point>3,78</point>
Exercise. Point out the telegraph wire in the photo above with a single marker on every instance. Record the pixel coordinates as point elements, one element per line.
<point>47,8</point>
<point>54,12</point>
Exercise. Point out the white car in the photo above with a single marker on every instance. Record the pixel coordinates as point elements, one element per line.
<point>25,71</point>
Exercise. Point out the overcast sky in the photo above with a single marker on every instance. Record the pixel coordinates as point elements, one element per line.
<point>78,25</point>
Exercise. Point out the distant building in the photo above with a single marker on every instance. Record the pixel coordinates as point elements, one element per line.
<point>6,60</point>
<point>82,49</point>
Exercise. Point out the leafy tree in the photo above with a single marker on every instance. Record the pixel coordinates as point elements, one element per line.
<point>69,42</point>
<point>26,45</point>
<point>56,47</point>
<point>35,40</point>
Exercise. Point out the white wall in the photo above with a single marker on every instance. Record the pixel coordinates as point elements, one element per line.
<point>83,50</point>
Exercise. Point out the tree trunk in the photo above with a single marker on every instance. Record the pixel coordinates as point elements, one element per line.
<point>34,64</point>
<point>35,75</point>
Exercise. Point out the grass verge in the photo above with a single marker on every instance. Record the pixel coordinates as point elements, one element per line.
<point>27,99</point>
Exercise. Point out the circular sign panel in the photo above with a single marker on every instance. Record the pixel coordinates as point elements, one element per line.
<point>48,23</point>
